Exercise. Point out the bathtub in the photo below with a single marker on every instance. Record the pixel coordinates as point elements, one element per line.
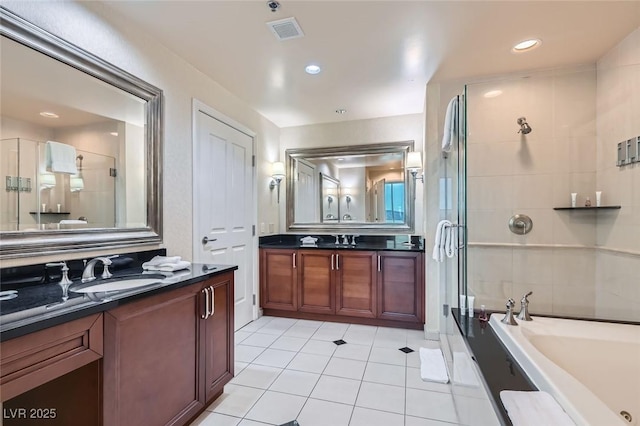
<point>591,368</point>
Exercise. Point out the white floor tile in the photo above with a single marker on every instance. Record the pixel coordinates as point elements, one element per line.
<point>283,322</point>
<point>324,413</point>
<point>415,335</point>
<point>244,353</point>
<point>475,411</point>
<point>240,336</point>
<point>257,324</point>
<point>257,376</point>
<point>300,331</point>
<point>309,323</point>
<point>276,330</point>
<point>319,347</point>
<point>276,408</point>
<point>336,389</point>
<point>287,343</point>
<point>381,397</point>
<point>260,339</point>
<point>414,381</point>
<point>419,421</point>
<point>366,417</point>
<point>207,418</point>
<point>386,374</point>
<point>295,382</point>
<point>413,359</point>
<point>336,326</point>
<point>394,342</point>
<point>371,329</point>
<point>359,337</point>
<point>352,351</point>
<point>416,344</point>
<point>431,405</point>
<point>388,356</point>
<point>311,363</point>
<point>247,422</point>
<point>236,400</point>
<point>274,358</point>
<point>239,366</point>
<point>328,335</point>
<point>346,368</point>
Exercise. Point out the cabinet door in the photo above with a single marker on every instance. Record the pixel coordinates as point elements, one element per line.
<point>316,281</point>
<point>401,286</point>
<point>218,339</point>
<point>356,283</point>
<point>152,360</point>
<point>278,279</point>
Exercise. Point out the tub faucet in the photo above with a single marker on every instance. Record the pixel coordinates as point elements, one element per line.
<point>508,318</point>
<point>87,274</point>
<point>524,308</point>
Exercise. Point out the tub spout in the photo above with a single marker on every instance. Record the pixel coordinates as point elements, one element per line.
<point>508,318</point>
<point>524,308</point>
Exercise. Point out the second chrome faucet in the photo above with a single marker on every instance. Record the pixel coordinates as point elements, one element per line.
<point>524,311</point>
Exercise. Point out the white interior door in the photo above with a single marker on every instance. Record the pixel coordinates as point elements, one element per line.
<point>381,214</point>
<point>223,205</point>
<point>306,193</point>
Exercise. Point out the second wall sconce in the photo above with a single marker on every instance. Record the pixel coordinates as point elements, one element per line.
<point>414,165</point>
<point>277,174</point>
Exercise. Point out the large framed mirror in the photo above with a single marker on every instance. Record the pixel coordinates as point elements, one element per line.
<point>81,148</point>
<point>355,189</point>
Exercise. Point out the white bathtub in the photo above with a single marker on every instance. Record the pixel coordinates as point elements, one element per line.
<point>591,368</point>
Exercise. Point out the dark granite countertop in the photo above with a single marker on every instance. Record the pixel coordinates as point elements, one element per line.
<point>500,370</point>
<point>327,242</point>
<point>40,305</point>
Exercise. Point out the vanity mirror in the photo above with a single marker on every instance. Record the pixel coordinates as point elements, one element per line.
<point>80,142</point>
<point>361,188</point>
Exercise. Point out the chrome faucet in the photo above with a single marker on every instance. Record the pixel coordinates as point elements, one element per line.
<point>353,239</point>
<point>87,273</point>
<point>65,282</point>
<point>508,318</point>
<point>524,308</point>
<point>345,240</point>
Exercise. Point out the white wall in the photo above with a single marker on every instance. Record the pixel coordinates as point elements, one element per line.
<point>97,29</point>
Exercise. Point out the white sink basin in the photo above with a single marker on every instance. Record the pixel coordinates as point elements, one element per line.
<point>119,285</point>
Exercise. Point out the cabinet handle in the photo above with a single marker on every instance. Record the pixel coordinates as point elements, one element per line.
<point>213,301</point>
<point>293,257</point>
<point>337,261</point>
<point>378,263</point>
<point>206,304</point>
<point>332,262</point>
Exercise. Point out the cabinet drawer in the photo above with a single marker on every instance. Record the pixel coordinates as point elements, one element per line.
<point>28,361</point>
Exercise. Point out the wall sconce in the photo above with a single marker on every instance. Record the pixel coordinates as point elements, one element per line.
<point>348,199</point>
<point>414,165</point>
<point>76,182</point>
<point>277,174</point>
<point>47,180</point>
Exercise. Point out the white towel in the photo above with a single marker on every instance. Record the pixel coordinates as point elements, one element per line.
<point>450,124</point>
<point>73,222</point>
<point>446,241</point>
<point>159,260</point>
<point>534,408</point>
<point>432,366</point>
<point>60,158</point>
<point>463,371</point>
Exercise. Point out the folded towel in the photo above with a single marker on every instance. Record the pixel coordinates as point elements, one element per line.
<point>432,366</point>
<point>167,267</point>
<point>463,371</point>
<point>450,125</point>
<point>60,158</point>
<point>534,408</point>
<point>159,260</point>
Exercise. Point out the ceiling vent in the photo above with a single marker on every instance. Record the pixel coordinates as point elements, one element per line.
<point>285,29</point>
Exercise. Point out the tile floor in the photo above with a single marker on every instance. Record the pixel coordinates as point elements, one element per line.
<point>290,369</point>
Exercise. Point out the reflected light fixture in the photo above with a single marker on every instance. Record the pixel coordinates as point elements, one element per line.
<point>526,45</point>
<point>277,174</point>
<point>414,165</point>
<point>47,114</point>
<point>492,93</point>
<point>312,69</point>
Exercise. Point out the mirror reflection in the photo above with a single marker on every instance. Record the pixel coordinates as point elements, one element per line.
<point>359,187</point>
<point>72,147</point>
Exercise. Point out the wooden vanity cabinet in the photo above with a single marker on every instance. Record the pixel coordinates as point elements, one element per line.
<point>355,276</point>
<point>165,357</point>
<point>401,286</point>
<point>278,279</point>
<point>316,281</point>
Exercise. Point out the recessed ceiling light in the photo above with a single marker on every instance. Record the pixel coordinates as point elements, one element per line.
<point>341,111</point>
<point>312,69</point>
<point>525,45</point>
<point>113,133</point>
<point>47,114</point>
<point>492,93</point>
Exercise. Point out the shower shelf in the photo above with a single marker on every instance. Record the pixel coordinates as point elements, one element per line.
<point>49,212</point>
<point>588,208</point>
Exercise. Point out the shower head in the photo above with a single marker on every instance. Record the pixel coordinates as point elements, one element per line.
<point>524,126</point>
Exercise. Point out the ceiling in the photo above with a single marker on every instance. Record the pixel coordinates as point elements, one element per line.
<point>376,56</point>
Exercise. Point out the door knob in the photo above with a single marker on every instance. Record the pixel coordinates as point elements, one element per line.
<point>206,240</point>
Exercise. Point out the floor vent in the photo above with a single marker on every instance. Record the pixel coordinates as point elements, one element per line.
<point>285,29</point>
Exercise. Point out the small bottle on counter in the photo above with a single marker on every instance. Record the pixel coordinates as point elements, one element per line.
<point>483,314</point>
<point>587,202</point>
